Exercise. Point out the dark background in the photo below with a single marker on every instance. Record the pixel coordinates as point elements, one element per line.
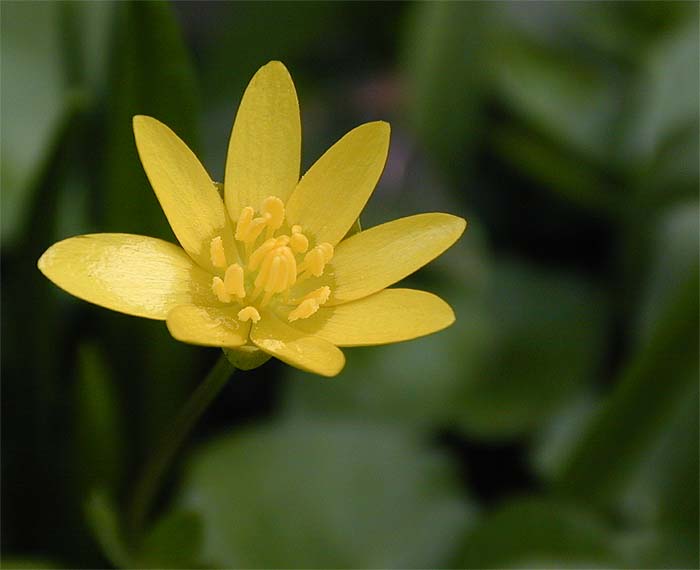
<point>555,424</point>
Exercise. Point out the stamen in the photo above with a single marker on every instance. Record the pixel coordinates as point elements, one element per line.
<point>217,286</point>
<point>243,224</point>
<point>259,254</point>
<point>249,314</point>
<point>310,304</point>
<point>316,260</point>
<point>217,253</point>
<point>298,241</point>
<point>233,281</point>
<point>273,211</point>
<point>303,311</point>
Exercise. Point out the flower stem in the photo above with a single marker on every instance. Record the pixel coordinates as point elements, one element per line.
<point>149,482</point>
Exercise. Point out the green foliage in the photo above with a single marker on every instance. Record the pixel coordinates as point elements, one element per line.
<point>174,542</point>
<point>529,533</point>
<point>319,494</point>
<point>554,424</point>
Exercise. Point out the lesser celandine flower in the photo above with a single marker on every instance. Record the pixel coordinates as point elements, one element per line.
<point>267,267</point>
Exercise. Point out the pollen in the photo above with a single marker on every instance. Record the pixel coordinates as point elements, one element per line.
<point>269,265</point>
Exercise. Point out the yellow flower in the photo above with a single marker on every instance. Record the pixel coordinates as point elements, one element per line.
<point>266,267</point>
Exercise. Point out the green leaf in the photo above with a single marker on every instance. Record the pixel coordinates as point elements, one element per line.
<point>174,542</point>
<point>641,403</point>
<point>442,61</point>
<point>547,333</point>
<point>669,89</point>
<point>100,448</point>
<point>675,252</point>
<point>151,74</point>
<point>103,518</point>
<point>35,103</point>
<point>537,533</point>
<point>568,100</point>
<point>320,494</point>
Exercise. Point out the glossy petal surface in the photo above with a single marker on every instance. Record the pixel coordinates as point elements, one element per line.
<point>392,315</point>
<point>376,258</point>
<point>331,195</point>
<point>264,152</point>
<point>309,353</point>
<point>185,191</point>
<point>137,275</point>
<point>207,326</point>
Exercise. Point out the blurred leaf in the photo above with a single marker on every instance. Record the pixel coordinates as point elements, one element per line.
<point>641,403</point>
<point>35,103</point>
<point>664,490</point>
<point>567,99</point>
<point>442,62</point>
<point>675,251</point>
<point>669,88</point>
<point>319,494</point>
<point>547,333</point>
<point>151,74</point>
<point>661,548</point>
<point>103,518</point>
<point>532,533</point>
<point>98,423</point>
<point>554,443</point>
<point>174,542</point>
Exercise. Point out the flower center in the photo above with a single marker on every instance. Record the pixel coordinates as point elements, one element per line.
<point>270,264</point>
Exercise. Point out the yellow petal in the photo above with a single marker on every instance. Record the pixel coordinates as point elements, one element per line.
<point>187,195</point>
<point>376,258</point>
<point>392,315</point>
<point>309,353</point>
<point>136,275</point>
<point>207,326</point>
<point>331,195</point>
<point>265,147</point>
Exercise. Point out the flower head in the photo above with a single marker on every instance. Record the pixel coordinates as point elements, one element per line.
<point>268,268</point>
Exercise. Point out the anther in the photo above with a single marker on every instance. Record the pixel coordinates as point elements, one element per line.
<point>217,253</point>
<point>310,304</point>
<point>273,211</point>
<point>233,281</point>
<point>217,286</point>
<point>249,314</point>
<point>243,224</point>
<point>316,260</point>
<point>299,242</point>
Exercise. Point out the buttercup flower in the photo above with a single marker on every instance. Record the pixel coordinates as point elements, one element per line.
<point>267,268</point>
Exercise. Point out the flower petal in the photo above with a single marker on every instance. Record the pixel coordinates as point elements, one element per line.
<point>309,353</point>
<point>392,315</point>
<point>264,152</point>
<point>331,195</point>
<point>376,258</point>
<point>132,274</point>
<point>185,191</point>
<point>207,326</point>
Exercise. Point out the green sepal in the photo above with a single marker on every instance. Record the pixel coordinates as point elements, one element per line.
<point>246,357</point>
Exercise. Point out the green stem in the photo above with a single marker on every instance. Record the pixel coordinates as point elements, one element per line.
<point>156,467</point>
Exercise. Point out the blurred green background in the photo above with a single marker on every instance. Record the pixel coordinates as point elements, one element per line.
<point>554,425</point>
